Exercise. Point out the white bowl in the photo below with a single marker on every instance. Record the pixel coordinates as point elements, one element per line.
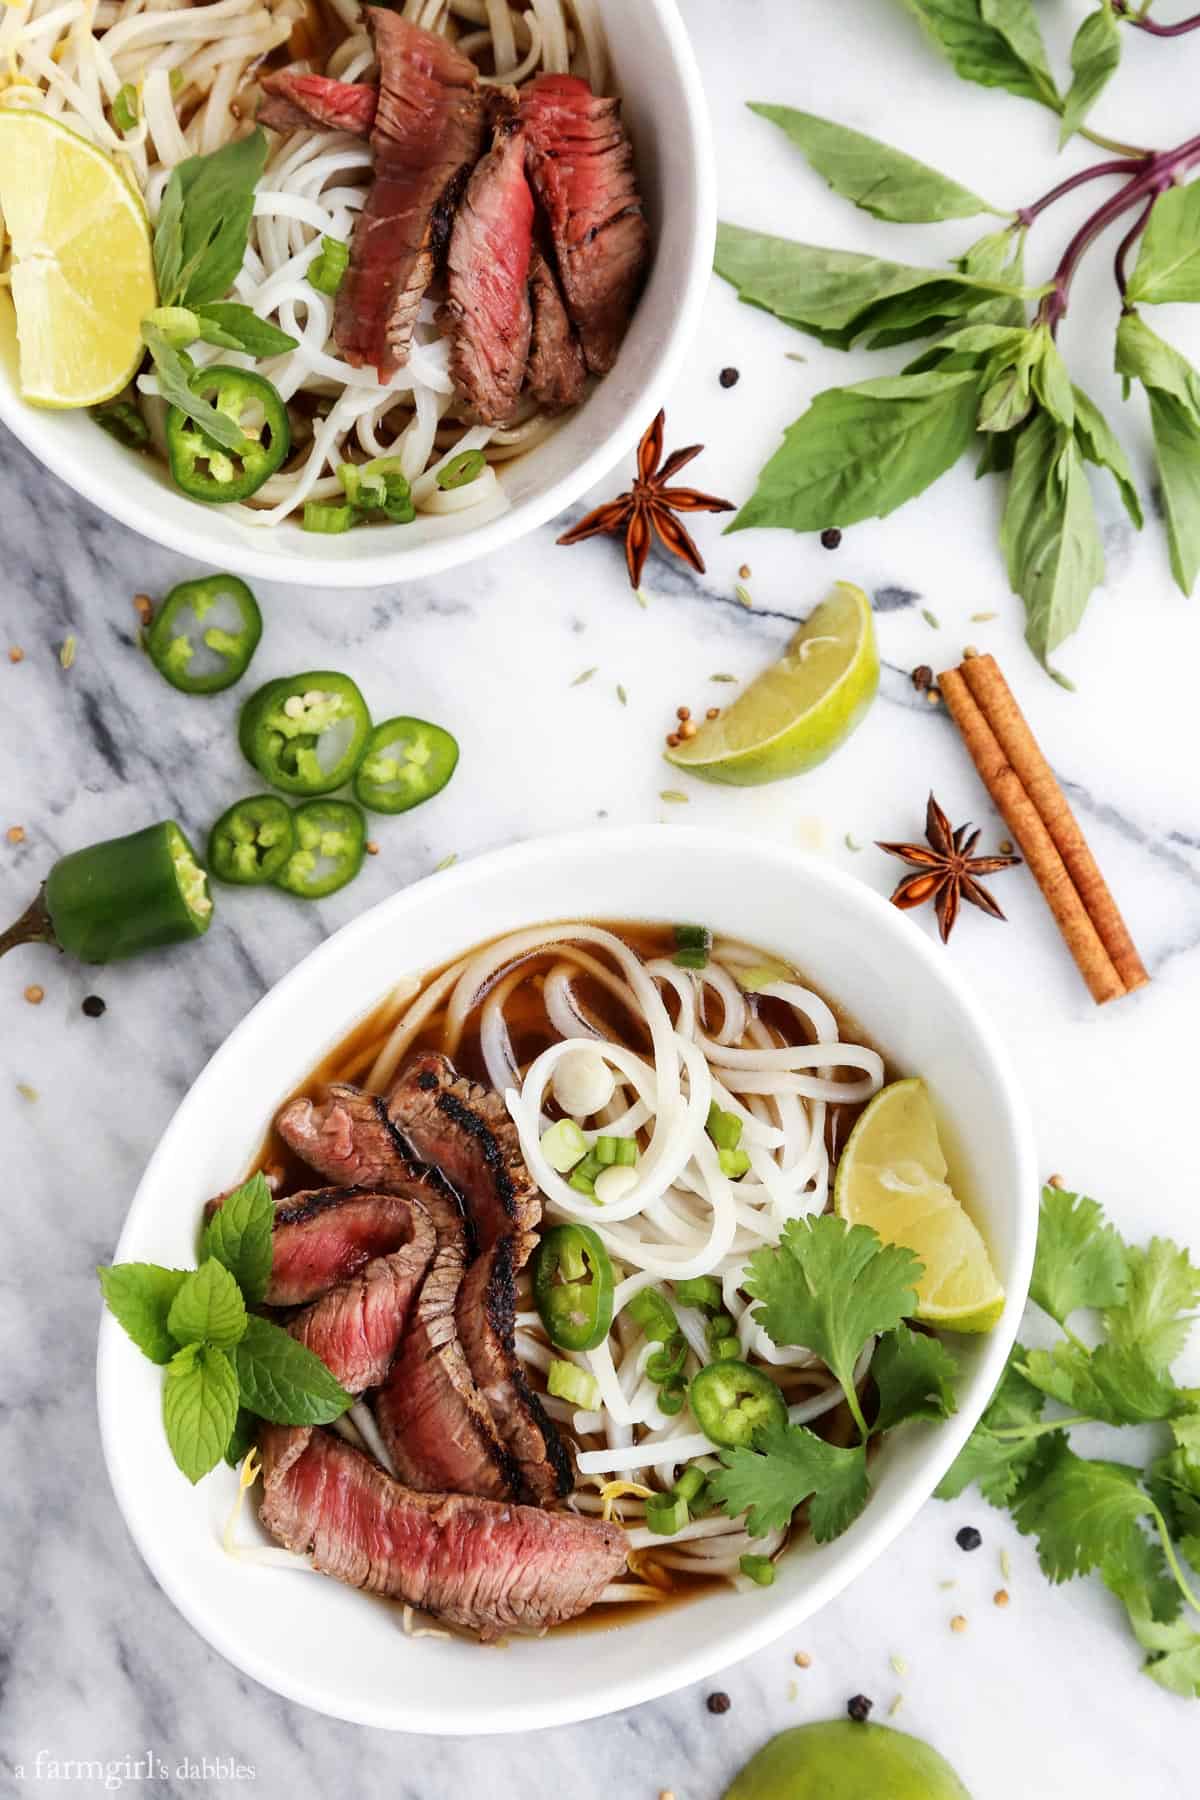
<point>655,73</point>
<point>344,1653</point>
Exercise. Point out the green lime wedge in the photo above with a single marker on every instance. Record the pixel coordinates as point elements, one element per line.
<point>839,1760</point>
<point>798,711</point>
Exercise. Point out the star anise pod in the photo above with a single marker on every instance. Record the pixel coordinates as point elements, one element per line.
<point>649,508</point>
<point>947,870</point>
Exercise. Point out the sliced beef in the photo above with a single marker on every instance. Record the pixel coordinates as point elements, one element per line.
<point>487,281</point>
<point>557,372</point>
<point>484,1566</point>
<point>357,1327</point>
<point>294,102</point>
<point>581,163</point>
<point>465,1131</point>
<point>427,136</point>
<point>323,1237</point>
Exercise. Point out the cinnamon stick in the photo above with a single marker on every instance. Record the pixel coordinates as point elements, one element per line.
<point>1033,806</point>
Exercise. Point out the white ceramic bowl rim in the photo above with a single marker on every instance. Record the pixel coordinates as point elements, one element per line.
<point>100,471</point>
<point>766,1616</point>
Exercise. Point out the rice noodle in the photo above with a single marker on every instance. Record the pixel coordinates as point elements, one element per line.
<point>194,69</point>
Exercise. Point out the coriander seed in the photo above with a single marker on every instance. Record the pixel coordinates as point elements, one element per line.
<point>35,994</point>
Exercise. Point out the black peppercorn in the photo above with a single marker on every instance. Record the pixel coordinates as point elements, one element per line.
<point>94,1006</point>
<point>718,1703</point>
<point>730,377</point>
<point>859,1708</point>
<point>922,678</point>
<point>831,537</point>
<point>968,1538</point>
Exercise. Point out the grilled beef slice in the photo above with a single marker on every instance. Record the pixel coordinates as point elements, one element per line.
<point>557,372</point>
<point>487,280</point>
<point>357,1327</point>
<point>323,1237</point>
<point>427,136</point>
<point>485,1566</point>
<point>581,164</point>
<point>295,102</point>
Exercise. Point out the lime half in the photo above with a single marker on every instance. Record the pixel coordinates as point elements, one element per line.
<point>892,1176</point>
<point>82,268</point>
<point>798,711</point>
<point>837,1759</point>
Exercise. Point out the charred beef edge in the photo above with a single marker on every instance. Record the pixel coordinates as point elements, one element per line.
<point>461,1114</point>
<point>501,1309</point>
<point>436,1179</point>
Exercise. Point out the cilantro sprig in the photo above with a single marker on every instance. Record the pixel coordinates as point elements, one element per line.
<point>1138,1527</point>
<point>832,1288</point>
<point>223,1365</point>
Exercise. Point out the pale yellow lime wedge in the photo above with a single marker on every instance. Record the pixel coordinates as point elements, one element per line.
<point>800,709</point>
<point>892,1176</point>
<point>82,269</point>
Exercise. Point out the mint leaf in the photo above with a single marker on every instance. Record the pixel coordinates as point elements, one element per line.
<point>1080,1259</point>
<point>994,44</point>
<point>208,1309</point>
<point>1114,1384</point>
<point>792,1465</point>
<point>283,1381</point>
<point>860,452</point>
<point>915,1376</point>
<point>1168,264</point>
<point>1095,53</point>
<point>212,210</point>
<point>139,1296</point>
<point>1173,390</point>
<point>240,1236</point>
<point>245,1432</point>
<point>879,179</point>
<point>200,1403</point>
<point>1100,445</point>
<point>1158,1308</point>
<point>998,1462</point>
<point>1049,534</point>
<point>236,327</point>
<point>830,1286</point>
<point>173,372</point>
<point>1078,1510</point>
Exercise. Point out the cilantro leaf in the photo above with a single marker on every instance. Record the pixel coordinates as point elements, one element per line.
<point>208,1309</point>
<point>1155,1314</point>
<point>830,1286</point>
<point>283,1380</point>
<point>139,1297</point>
<point>239,1236</point>
<point>1174,1481</point>
<point>200,1403</point>
<point>1112,1384</point>
<point>1135,1570</point>
<point>915,1375</point>
<point>1080,1259</point>
<point>1078,1510</point>
<point>791,1465</point>
<point>999,1463</point>
<point>1178,1670</point>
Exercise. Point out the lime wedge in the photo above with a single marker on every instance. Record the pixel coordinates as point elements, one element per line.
<point>837,1759</point>
<point>82,269</point>
<point>892,1176</point>
<point>796,712</point>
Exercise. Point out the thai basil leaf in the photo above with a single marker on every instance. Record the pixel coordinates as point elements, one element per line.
<point>878,179</point>
<point>234,327</point>
<point>1051,383</point>
<point>173,371</point>
<point>860,452</point>
<point>1173,391</point>
<point>1049,534</point>
<point>1099,444</point>
<point>1168,264</point>
<point>203,220</point>
<point>1095,54</point>
<point>981,43</point>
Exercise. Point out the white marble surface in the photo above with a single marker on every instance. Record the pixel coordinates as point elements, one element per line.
<point>1041,1700</point>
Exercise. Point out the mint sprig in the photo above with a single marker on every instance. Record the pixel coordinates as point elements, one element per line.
<point>224,1365</point>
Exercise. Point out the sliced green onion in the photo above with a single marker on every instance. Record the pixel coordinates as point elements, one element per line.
<point>734,1163</point>
<point>654,1314</point>
<point>758,1568</point>
<point>670,1400</point>
<point>692,937</point>
<point>725,1349</point>
<point>466,467</point>
<point>327,518</point>
<point>724,1128</point>
<point>125,110</point>
<point>327,271</point>
<point>379,486</point>
<point>583,1176</point>
<point>690,1484</point>
<point>567,1381</point>
<point>662,1366</point>
<point>564,1145</point>
<point>665,1514</point>
<point>616,1152</point>
<point>691,959</point>
<point>704,1291</point>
